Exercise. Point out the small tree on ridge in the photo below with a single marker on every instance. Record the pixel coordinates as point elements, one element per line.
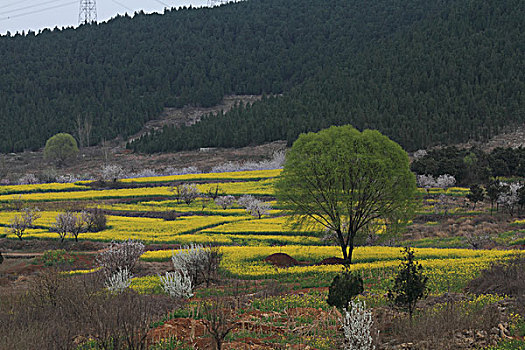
<point>60,148</point>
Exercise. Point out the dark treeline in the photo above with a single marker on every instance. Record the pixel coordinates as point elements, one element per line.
<point>423,72</point>
<point>452,74</point>
<point>118,75</point>
<point>472,166</point>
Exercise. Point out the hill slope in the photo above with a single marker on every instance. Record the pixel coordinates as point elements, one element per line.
<point>447,78</point>
<point>409,68</point>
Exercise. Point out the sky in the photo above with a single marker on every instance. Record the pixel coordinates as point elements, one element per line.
<point>24,15</point>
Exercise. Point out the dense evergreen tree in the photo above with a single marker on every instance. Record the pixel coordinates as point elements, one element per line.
<point>446,75</point>
<point>472,166</point>
<point>421,71</point>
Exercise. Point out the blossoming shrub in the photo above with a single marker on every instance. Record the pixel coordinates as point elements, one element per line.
<point>177,284</point>
<point>199,262</point>
<point>119,256</point>
<point>118,281</point>
<point>357,324</point>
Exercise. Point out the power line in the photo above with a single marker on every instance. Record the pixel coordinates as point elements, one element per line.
<point>37,11</point>
<point>14,3</point>
<point>31,6</point>
<point>118,3</point>
<point>162,3</point>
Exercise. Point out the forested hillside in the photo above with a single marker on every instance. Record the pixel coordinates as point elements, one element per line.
<point>421,71</point>
<point>446,78</point>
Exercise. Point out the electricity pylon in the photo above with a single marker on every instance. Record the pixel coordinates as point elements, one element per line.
<point>212,3</point>
<point>88,12</point>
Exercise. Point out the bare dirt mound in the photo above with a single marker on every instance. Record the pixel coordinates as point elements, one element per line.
<point>331,261</point>
<point>281,260</point>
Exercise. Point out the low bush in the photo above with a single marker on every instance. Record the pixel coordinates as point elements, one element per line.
<point>95,220</point>
<point>170,215</point>
<point>344,288</point>
<point>443,326</point>
<point>503,278</point>
<point>63,312</point>
<point>55,257</point>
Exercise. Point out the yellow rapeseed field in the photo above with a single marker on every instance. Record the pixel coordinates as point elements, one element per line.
<point>51,187</point>
<point>272,225</point>
<point>237,175</point>
<point>263,187</point>
<point>246,241</point>
<point>145,229</point>
<point>443,266</point>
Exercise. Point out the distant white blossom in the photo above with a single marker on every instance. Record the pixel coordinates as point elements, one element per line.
<point>442,181</point>
<point>225,201</point>
<point>112,172</point>
<point>508,197</point>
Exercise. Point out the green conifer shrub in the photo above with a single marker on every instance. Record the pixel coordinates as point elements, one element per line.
<point>344,287</point>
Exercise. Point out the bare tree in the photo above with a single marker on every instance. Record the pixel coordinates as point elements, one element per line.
<point>225,202</point>
<point>71,223</point>
<point>186,192</point>
<point>95,220</point>
<point>84,126</point>
<point>120,255</point>
<point>219,320</point>
<point>20,223</point>
<point>17,201</point>
<point>214,192</point>
<point>254,206</point>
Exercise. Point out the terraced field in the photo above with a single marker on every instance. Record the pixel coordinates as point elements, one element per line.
<point>147,209</point>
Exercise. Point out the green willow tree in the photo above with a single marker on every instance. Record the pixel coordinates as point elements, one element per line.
<point>60,148</point>
<point>345,180</point>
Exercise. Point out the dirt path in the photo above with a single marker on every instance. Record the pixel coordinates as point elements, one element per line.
<point>29,255</point>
